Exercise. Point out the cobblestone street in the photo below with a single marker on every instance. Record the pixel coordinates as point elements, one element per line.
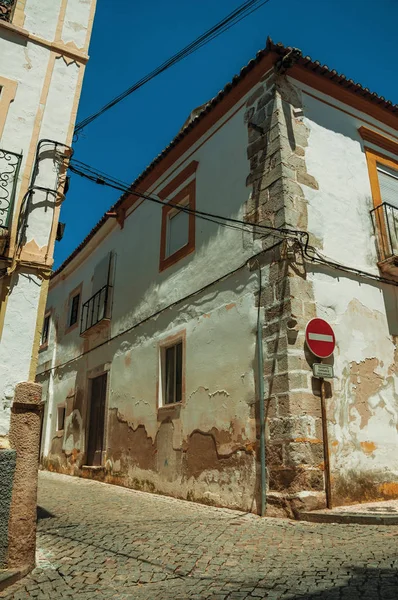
<point>102,541</point>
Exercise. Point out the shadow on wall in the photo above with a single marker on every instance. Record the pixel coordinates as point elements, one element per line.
<point>390,294</point>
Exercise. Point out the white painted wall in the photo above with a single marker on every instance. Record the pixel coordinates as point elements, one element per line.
<point>364,314</point>
<point>220,349</point>
<point>139,289</point>
<point>16,341</point>
<point>219,322</point>
<point>34,112</point>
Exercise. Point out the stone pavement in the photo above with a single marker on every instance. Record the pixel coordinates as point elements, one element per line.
<point>102,541</point>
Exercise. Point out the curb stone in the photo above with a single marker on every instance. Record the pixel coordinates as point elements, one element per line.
<point>353,518</point>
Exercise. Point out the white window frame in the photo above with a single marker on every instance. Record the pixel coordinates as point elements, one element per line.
<point>164,346</point>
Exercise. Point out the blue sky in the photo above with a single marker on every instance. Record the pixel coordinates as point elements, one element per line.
<point>355,37</point>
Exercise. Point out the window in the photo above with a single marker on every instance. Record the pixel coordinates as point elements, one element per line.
<point>74,310</point>
<point>172,370</point>
<point>178,226</point>
<point>46,330</point>
<point>383,173</point>
<point>173,374</point>
<point>388,182</point>
<point>61,410</point>
<point>72,317</point>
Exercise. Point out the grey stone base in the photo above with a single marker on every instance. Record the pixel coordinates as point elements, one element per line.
<point>7,470</point>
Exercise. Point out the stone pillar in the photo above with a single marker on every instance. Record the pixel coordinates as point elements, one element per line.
<point>24,439</point>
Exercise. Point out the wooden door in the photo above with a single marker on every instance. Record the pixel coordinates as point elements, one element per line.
<point>97,420</point>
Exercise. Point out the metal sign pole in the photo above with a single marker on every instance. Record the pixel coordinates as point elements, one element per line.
<point>321,340</point>
<point>328,486</point>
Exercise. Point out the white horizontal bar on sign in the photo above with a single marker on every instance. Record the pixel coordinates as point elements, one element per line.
<point>320,337</point>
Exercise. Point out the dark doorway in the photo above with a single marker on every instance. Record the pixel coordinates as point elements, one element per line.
<point>97,421</point>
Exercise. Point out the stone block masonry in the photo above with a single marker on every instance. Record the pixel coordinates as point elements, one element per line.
<point>277,138</point>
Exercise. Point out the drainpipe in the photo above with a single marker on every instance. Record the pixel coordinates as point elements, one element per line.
<point>260,370</point>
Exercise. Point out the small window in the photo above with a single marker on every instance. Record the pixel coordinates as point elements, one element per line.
<point>388,182</point>
<point>383,172</point>
<point>178,227</point>
<point>74,310</point>
<point>46,330</point>
<point>61,418</point>
<point>177,235</point>
<point>173,374</point>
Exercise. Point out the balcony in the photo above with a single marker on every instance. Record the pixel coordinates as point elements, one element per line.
<point>96,312</point>
<point>385,223</point>
<point>9,170</point>
<point>7,10</point>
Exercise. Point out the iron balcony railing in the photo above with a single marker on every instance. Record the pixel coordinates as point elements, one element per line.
<point>9,171</point>
<point>96,309</point>
<point>385,223</point>
<point>7,9</point>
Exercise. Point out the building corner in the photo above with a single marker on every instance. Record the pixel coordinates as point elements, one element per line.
<point>277,137</point>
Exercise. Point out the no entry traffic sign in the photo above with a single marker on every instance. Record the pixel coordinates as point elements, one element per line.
<point>320,338</point>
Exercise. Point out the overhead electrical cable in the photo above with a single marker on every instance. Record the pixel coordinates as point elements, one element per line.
<point>101,178</point>
<point>237,15</point>
<point>302,237</point>
<point>152,316</point>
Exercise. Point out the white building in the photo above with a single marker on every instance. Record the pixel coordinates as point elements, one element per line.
<point>43,49</point>
<point>157,320</point>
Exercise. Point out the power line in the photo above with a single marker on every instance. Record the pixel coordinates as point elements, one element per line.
<point>237,15</point>
<point>98,177</point>
<point>152,316</point>
<point>199,291</point>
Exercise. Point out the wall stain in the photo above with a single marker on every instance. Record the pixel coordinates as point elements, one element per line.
<point>368,447</point>
<point>365,383</point>
<point>130,446</point>
<point>364,486</point>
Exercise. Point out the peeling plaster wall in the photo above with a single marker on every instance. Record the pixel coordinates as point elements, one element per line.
<point>363,413</point>
<point>205,449</point>
<point>302,166</point>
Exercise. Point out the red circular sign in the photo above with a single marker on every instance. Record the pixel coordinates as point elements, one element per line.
<point>320,338</point>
